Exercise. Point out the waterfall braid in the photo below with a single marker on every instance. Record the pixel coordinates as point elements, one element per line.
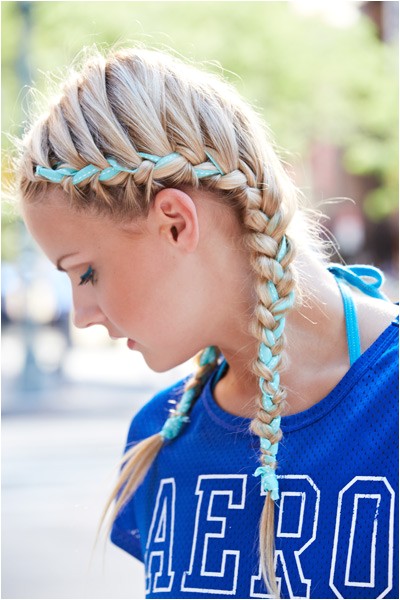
<point>138,121</point>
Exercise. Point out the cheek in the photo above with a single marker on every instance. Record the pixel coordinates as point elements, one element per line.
<point>179,304</point>
<point>129,304</point>
<point>154,298</point>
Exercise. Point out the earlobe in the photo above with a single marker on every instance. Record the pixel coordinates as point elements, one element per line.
<point>177,218</point>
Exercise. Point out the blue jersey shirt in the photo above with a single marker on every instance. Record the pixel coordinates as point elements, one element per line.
<point>194,521</point>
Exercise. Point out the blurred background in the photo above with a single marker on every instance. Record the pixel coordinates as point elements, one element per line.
<point>325,75</point>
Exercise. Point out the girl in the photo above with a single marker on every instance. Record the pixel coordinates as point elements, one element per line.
<point>155,188</point>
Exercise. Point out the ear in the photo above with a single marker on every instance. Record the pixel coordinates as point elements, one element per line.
<point>174,215</point>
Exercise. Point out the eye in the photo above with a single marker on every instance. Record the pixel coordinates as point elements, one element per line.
<point>88,276</point>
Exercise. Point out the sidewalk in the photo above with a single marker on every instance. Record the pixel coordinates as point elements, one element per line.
<point>61,446</point>
<point>57,473</point>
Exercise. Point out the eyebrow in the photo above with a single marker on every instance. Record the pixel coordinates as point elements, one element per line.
<point>59,261</point>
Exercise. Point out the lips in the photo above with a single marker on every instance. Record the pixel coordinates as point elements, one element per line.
<point>131,344</point>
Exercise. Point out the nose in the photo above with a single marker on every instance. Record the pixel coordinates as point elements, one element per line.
<point>86,314</point>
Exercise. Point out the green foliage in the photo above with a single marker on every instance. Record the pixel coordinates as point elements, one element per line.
<point>311,81</point>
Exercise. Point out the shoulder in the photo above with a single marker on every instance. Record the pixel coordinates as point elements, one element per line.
<point>386,358</point>
<point>376,317</point>
<point>379,366</point>
<point>151,417</point>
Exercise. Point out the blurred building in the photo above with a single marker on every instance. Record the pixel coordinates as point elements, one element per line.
<point>360,238</point>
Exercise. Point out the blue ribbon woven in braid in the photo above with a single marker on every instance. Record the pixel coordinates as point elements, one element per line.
<point>174,424</point>
<point>208,356</point>
<point>269,479</point>
<point>79,175</point>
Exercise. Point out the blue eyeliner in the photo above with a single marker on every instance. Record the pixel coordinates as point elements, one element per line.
<point>88,276</point>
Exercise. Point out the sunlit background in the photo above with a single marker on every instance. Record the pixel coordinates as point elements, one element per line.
<point>324,74</point>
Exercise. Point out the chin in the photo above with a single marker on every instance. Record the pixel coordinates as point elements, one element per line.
<point>164,363</point>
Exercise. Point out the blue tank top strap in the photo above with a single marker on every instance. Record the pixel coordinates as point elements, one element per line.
<point>353,275</point>
<point>352,330</point>
<point>221,371</point>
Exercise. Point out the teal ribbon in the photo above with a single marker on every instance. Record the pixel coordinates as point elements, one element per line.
<point>266,471</point>
<point>54,175</point>
<point>57,174</point>
<point>214,162</point>
<point>208,356</point>
<point>174,424</point>
<point>269,480</point>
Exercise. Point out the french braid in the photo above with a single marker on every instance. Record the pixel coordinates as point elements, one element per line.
<point>125,128</point>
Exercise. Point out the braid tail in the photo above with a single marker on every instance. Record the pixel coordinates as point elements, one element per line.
<point>137,460</point>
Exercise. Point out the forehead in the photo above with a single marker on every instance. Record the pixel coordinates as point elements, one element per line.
<point>59,229</point>
<point>54,206</point>
<point>51,213</point>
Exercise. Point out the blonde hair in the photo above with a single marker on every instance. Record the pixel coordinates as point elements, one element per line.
<point>137,101</point>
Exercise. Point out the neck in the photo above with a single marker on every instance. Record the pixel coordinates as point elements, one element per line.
<point>312,367</point>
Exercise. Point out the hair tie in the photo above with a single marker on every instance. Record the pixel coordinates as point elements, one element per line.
<point>269,480</point>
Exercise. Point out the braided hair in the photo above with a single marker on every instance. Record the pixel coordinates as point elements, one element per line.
<point>127,126</point>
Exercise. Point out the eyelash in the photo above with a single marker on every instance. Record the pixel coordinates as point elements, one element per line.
<point>88,276</point>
